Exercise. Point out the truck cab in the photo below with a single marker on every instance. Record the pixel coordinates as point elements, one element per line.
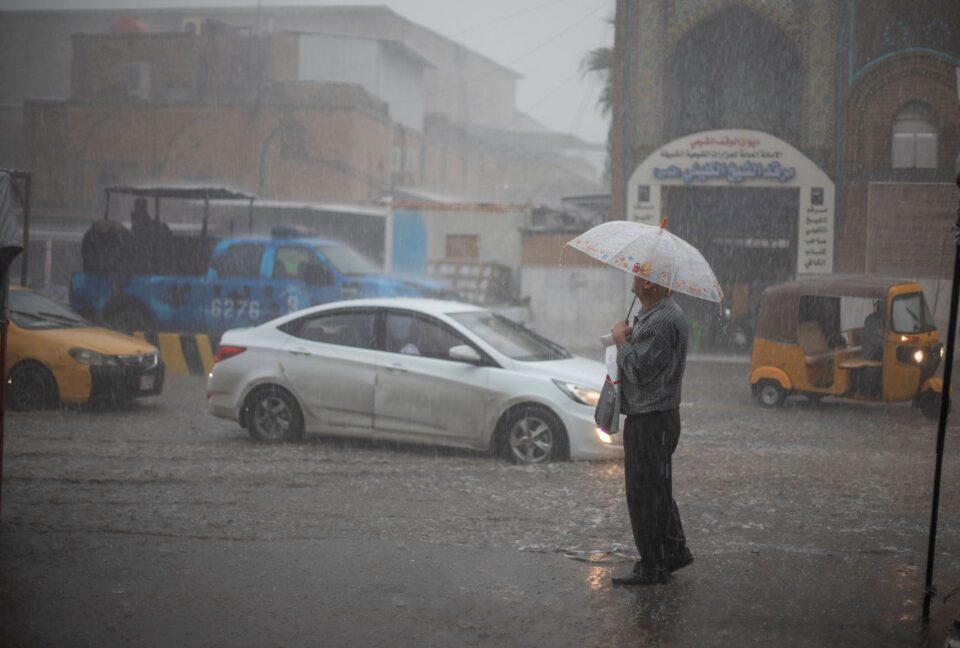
<point>254,279</point>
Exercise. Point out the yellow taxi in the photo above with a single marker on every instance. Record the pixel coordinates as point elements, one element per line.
<point>55,356</point>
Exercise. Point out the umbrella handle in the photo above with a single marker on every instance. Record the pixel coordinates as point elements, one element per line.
<point>630,310</point>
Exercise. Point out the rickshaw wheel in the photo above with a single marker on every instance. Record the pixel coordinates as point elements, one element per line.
<point>770,393</point>
<point>814,397</point>
<point>929,404</point>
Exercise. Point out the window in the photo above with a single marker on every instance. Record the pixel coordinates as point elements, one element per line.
<point>240,260</point>
<point>463,246</point>
<point>347,260</point>
<point>910,314</point>
<point>915,137</point>
<point>510,338</point>
<point>292,262</point>
<point>293,140</point>
<point>412,335</point>
<point>29,310</point>
<point>350,328</point>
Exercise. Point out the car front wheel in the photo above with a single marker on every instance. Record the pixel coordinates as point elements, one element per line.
<point>31,387</point>
<point>273,415</point>
<point>770,393</point>
<point>533,435</point>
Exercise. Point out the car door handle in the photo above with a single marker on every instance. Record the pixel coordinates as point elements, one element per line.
<point>396,367</point>
<point>299,351</point>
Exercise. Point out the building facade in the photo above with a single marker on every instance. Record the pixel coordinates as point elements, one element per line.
<point>790,137</point>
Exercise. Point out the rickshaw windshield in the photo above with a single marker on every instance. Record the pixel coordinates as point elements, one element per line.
<point>910,314</point>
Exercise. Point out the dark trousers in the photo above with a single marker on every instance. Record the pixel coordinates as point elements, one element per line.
<point>648,444</point>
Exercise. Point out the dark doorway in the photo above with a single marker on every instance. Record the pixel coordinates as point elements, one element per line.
<point>748,235</point>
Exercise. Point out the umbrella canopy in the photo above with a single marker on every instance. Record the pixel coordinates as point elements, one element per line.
<point>652,253</point>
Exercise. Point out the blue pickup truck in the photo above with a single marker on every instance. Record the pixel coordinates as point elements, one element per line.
<point>248,280</point>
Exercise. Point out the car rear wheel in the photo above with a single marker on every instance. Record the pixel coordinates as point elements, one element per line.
<point>770,393</point>
<point>273,415</point>
<point>533,435</point>
<point>31,386</point>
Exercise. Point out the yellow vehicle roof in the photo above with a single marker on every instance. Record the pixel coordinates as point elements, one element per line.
<point>778,319</point>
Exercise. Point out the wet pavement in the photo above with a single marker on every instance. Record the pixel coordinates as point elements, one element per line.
<point>158,525</point>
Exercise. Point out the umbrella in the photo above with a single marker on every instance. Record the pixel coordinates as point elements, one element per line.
<point>652,253</point>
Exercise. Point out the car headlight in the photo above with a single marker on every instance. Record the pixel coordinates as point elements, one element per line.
<point>583,395</point>
<point>918,356</point>
<point>92,358</point>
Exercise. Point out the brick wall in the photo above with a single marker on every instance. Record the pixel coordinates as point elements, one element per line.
<point>871,107</point>
<point>339,154</point>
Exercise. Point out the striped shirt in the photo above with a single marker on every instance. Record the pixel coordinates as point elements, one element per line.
<point>651,362</point>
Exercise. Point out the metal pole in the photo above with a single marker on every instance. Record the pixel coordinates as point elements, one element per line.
<point>25,267</point>
<point>928,589</point>
<point>3,398</point>
<point>250,217</point>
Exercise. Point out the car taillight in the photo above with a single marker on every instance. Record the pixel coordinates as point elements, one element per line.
<point>225,351</point>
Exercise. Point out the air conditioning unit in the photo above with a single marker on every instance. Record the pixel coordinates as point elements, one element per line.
<point>192,25</point>
<point>136,79</point>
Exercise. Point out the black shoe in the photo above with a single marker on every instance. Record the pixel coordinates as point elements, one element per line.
<point>679,560</point>
<point>654,577</point>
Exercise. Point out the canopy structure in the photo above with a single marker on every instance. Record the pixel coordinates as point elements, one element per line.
<point>780,305</point>
<point>187,192</point>
<point>180,192</point>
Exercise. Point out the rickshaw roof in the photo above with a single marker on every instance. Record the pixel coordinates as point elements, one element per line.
<point>778,318</point>
<point>843,286</point>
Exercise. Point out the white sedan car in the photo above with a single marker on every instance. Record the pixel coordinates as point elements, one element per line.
<point>412,370</point>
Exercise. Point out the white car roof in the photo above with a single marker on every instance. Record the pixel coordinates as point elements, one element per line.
<point>421,304</point>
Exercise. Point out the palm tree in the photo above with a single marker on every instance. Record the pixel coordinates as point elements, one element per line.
<point>600,61</point>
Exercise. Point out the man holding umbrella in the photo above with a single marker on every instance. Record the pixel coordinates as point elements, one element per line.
<point>651,356</point>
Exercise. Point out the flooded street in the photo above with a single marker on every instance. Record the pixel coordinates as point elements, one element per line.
<point>160,525</point>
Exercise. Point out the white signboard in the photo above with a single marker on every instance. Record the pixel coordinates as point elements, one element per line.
<point>742,158</point>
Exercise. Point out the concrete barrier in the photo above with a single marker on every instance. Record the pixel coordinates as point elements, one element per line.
<point>183,353</point>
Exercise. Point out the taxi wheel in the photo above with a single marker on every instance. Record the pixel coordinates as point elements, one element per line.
<point>532,435</point>
<point>273,415</point>
<point>770,393</point>
<point>31,386</point>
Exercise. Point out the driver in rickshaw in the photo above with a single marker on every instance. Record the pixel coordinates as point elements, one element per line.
<point>871,342</point>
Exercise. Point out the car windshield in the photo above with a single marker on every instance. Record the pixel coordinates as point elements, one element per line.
<point>29,310</point>
<point>510,338</point>
<point>910,314</point>
<point>347,260</point>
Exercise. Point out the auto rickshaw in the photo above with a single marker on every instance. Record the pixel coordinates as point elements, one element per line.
<point>860,338</point>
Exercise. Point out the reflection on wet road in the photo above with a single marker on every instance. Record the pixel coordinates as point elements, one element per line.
<point>809,520</point>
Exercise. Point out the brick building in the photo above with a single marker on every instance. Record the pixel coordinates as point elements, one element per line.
<point>790,137</point>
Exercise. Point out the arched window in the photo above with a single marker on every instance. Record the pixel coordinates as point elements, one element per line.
<point>293,140</point>
<point>915,137</point>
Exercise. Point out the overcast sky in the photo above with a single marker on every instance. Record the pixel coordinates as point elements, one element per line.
<point>544,40</point>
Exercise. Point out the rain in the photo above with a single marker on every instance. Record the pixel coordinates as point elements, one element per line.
<point>310,311</point>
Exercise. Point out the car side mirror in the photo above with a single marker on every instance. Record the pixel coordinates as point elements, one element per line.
<point>317,274</point>
<point>465,353</point>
